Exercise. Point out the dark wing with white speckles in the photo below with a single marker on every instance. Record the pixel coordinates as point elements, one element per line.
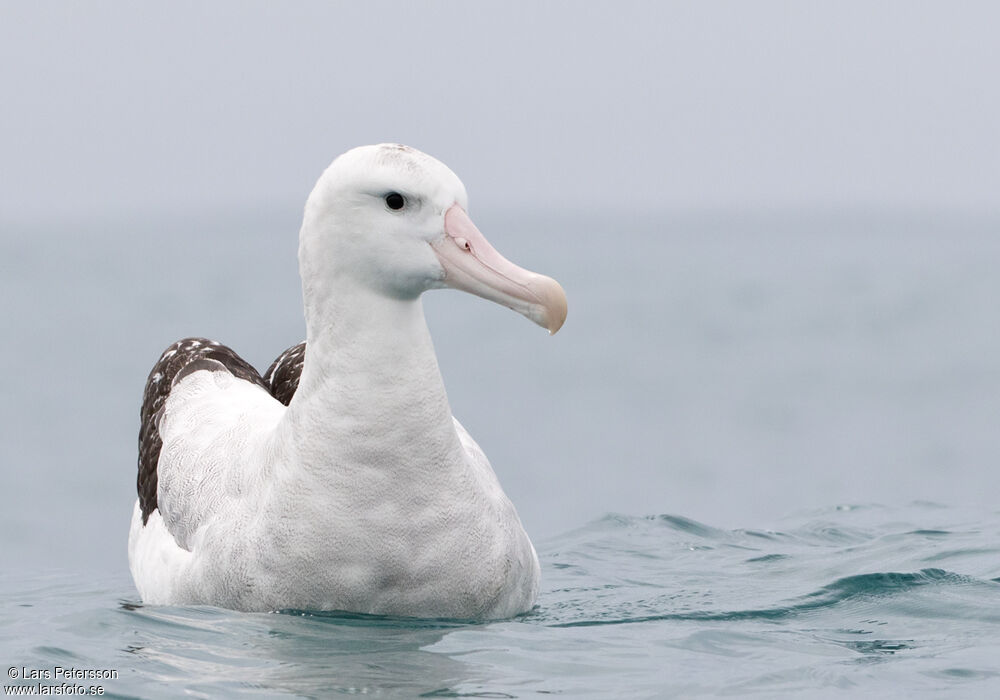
<point>282,377</point>
<point>161,378</point>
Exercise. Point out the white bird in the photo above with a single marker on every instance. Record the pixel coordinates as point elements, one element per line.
<point>340,480</point>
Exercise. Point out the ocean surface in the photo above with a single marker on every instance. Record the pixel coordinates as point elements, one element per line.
<point>858,601</point>
<point>762,458</point>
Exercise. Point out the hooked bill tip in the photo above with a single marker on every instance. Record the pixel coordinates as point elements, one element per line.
<point>553,302</point>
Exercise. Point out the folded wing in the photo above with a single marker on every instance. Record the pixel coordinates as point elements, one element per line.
<point>158,385</point>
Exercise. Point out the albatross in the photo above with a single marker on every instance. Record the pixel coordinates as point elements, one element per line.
<point>339,480</point>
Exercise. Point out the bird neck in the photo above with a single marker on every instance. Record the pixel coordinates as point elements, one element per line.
<point>371,392</point>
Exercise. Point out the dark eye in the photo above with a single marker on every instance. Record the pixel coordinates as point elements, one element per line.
<point>394,200</point>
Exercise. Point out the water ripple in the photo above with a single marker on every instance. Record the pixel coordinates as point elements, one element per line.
<point>842,600</point>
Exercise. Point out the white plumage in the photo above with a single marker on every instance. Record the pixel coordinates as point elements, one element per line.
<point>364,494</point>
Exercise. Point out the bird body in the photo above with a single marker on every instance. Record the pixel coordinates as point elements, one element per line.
<point>363,493</point>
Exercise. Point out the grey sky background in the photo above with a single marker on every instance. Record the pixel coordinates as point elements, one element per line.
<point>114,108</point>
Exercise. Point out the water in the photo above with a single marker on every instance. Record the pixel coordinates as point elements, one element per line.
<point>747,375</point>
<point>887,602</point>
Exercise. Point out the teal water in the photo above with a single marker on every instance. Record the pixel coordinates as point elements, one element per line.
<point>725,369</point>
<point>852,601</point>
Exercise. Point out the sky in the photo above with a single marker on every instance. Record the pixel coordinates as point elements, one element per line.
<point>115,108</point>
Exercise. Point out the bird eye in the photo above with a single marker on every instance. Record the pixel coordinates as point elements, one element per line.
<point>394,200</point>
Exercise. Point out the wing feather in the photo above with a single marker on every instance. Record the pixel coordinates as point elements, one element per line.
<point>158,385</point>
<point>283,375</point>
<point>191,466</point>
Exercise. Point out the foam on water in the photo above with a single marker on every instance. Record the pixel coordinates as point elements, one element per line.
<point>901,602</point>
